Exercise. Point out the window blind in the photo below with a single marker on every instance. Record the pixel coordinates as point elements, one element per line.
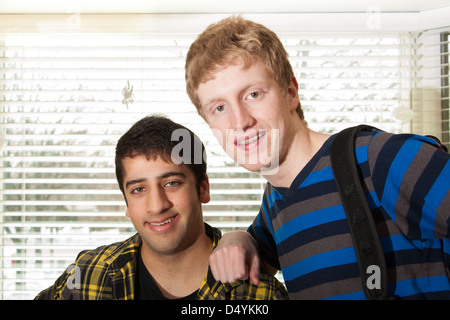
<point>67,98</point>
<point>429,87</point>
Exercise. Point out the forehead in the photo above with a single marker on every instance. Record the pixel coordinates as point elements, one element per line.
<point>232,77</point>
<point>141,166</point>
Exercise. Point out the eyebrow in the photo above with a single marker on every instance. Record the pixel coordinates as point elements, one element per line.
<point>171,174</point>
<point>162,176</point>
<point>134,181</point>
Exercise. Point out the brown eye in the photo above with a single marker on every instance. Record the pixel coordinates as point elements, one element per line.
<point>137,190</point>
<point>254,95</point>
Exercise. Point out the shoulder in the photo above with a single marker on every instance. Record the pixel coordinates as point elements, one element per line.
<point>398,152</point>
<point>384,145</point>
<point>269,283</point>
<point>90,266</point>
<point>269,288</point>
<point>109,253</point>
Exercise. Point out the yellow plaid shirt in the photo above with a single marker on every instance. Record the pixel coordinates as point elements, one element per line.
<point>109,272</point>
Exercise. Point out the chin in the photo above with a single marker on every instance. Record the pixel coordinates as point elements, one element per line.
<point>261,169</point>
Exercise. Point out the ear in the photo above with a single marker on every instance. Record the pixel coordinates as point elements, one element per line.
<point>293,93</point>
<point>127,213</point>
<point>205,196</point>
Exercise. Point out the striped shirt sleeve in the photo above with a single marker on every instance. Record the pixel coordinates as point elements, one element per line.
<point>411,178</point>
<point>262,230</point>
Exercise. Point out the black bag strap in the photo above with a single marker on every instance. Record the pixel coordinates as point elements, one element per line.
<point>359,217</point>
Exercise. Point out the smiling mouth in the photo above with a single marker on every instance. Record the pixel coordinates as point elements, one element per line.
<point>163,222</point>
<point>252,139</point>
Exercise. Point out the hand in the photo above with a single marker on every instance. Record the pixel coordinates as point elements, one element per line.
<point>235,258</point>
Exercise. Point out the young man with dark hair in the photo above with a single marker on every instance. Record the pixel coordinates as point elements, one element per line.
<point>164,183</point>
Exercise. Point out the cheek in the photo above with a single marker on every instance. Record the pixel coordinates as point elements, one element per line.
<point>221,135</point>
<point>188,205</point>
<point>133,209</point>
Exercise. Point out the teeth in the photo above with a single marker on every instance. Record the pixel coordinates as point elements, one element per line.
<point>164,222</point>
<point>248,141</point>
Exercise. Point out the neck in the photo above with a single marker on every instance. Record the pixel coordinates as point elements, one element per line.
<point>304,146</point>
<point>179,274</point>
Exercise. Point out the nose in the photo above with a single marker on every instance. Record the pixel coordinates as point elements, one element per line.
<point>242,119</point>
<point>157,202</point>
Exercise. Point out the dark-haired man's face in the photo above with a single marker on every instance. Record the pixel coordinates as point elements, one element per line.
<point>163,203</point>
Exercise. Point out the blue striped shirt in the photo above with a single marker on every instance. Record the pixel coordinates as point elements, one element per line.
<point>303,230</point>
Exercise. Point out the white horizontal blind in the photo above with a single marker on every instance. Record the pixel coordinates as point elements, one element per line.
<point>430,89</point>
<point>354,78</point>
<point>63,109</point>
